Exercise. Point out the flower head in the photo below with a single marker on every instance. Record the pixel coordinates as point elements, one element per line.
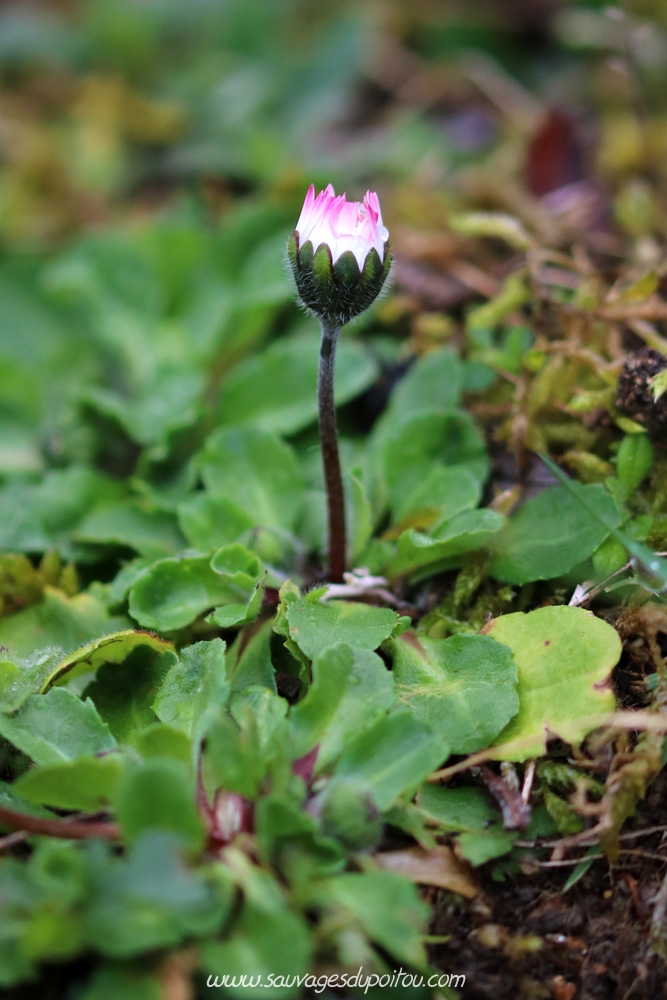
<point>341,224</point>
<point>339,254</point>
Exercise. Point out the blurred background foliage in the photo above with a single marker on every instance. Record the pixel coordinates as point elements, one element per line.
<point>153,158</point>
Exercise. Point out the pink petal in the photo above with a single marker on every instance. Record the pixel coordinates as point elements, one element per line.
<point>312,215</point>
<point>341,224</point>
<point>307,208</point>
<point>347,222</point>
<point>372,203</point>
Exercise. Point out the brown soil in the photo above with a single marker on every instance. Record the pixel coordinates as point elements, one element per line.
<point>524,939</point>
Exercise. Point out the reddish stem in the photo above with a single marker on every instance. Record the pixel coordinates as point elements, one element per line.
<point>330,459</point>
<point>70,829</point>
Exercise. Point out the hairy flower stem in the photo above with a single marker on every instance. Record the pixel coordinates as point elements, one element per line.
<point>329,446</point>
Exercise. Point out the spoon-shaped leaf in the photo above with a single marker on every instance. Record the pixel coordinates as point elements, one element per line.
<point>650,568</point>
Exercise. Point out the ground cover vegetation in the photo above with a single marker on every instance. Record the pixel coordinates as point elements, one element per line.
<point>212,760</point>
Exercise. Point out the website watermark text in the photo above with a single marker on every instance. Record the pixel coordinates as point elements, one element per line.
<point>359,979</point>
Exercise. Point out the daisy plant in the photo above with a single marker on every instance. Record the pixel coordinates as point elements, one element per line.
<point>340,259</point>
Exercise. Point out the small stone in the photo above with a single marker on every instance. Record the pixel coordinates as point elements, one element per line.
<point>562,989</point>
<point>491,935</point>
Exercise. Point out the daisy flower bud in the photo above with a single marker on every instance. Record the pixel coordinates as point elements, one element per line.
<point>339,253</point>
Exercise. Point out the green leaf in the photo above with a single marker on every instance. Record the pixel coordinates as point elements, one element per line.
<point>418,443</point>
<point>39,898</point>
<point>425,554</point>
<point>658,383</point>
<point>110,649</point>
<point>120,586</point>
<point>608,558</point>
<point>151,533</point>
<point>368,694</point>
<point>109,982</point>
<point>314,625</point>
<point>412,820</point>
<point>580,870</point>
<point>275,391</point>
<point>173,592</point>
<point>35,517</point>
<point>310,718</point>
<point>253,665</point>
<point>170,402</point>
<point>261,715</point>
<point>17,683</point>
<point>86,783</point>
<point>552,533</point>
<point>57,726</point>
<point>238,564</point>
<point>149,898</point>
<point>10,798</point>
<point>159,740</point>
<point>361,515</point>
<point>348,813</point>
<point>457,809</point>
<point>194,689</point>
<point>51,933</point>
<point>650,568</point>
<point>290,840</point>
<point>434,383</point>
<point>236,614</point>
<point>443,491</point>
<point>633,461</point>
<point>393,755</point>
<point>57,620</point>
<point>388,909</point>
<point>124,693</point>
<point>564,657</point>
<point>463,687</point>
<point>481,846</point>
<point>234,761</point>
<point>255,470</point>
<point>209,521</point>
<point>158,794</point>
<point>263,944</point>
